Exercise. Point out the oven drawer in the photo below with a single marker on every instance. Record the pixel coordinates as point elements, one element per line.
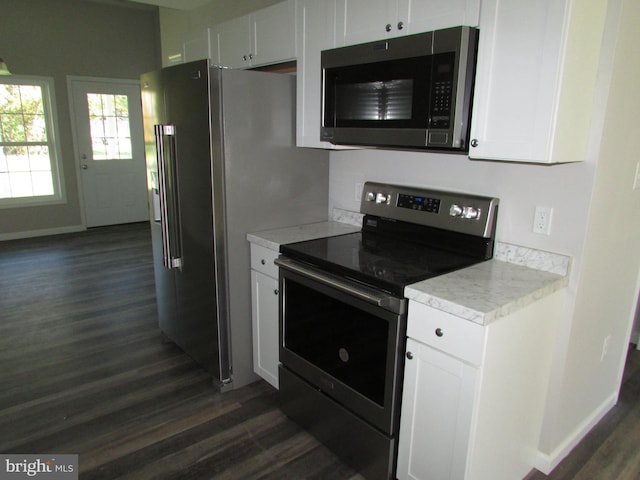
<point>450,334</point>
<point>262,260</point>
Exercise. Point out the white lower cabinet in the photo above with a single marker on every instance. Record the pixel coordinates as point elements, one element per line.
<point>436,414</point>
<point>474,396</point>
<point>264,313</point>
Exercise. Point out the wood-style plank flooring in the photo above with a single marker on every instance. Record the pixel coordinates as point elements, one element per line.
<point>85,370</point>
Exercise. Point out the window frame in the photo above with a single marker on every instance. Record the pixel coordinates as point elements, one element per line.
<point>55,156</point>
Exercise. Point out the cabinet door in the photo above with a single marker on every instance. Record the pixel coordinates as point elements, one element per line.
<point>534,83</point>
<point>264,305</point>
<point>196,46</point>
<point>361,21</point>
<point>435,422</point>
<point>316,32</point>
<point>274,34</point>
<point>234,42</point>
<point>420,16</point>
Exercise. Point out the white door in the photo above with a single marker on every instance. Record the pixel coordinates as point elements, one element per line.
<point>107,126</point>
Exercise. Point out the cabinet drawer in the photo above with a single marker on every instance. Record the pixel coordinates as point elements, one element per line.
<point>450,334</point>
<point>262,260</point>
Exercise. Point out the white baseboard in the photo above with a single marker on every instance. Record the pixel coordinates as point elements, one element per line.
<point>42,233</point>
<point>547,462</point>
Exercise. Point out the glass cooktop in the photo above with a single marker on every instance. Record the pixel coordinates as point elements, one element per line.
<point>378,260</point>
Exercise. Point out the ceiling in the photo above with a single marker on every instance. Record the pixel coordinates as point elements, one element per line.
<point>177,4</point>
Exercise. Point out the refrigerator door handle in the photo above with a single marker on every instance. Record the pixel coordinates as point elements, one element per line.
<point>167,189</point>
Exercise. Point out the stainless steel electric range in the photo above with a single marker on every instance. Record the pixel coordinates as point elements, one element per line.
<point>343,313</point>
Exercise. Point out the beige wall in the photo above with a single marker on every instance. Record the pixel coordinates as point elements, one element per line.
<point>72,37</point>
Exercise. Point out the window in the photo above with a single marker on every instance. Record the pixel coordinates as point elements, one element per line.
<point>110,132</point>
<point>29,168</point>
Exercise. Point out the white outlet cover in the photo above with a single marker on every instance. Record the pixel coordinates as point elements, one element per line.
<point>542,220</point>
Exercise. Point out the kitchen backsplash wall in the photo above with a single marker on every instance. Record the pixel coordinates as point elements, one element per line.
<point>520,188</point>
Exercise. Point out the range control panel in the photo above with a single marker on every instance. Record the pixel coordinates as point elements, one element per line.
<point>416,202</point>
<point>460,212</point>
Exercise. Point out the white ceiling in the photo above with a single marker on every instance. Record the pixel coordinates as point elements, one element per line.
<point>177,4</point>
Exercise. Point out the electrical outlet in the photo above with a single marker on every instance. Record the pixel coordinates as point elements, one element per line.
<point>605,347</point>
<point>542,220</point>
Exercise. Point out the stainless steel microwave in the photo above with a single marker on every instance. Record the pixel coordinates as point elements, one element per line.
<point>407,92</point>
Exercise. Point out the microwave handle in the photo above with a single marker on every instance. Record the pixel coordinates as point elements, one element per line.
<point>369,295</point>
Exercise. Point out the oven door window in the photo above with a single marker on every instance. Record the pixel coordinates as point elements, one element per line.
<point>348,343</point>
<point>390,94</point>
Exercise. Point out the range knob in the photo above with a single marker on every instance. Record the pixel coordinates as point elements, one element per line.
<point>383,198</point>
<point>455,210</point>
<point>471,213</point>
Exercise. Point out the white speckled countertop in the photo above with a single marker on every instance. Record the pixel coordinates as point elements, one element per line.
<point>482,293</point>
<point>486,291</point>
<point>272,239</point>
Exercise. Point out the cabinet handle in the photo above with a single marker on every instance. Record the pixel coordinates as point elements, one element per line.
<point>474,142</point>
<point>400,25</point>
<point>388,27</point>
<point>439,332</point>
<point>245,58</point>
<point>410,355</point>
<point>263,261</point>
<point>251,56</point>
<point>276,292</point>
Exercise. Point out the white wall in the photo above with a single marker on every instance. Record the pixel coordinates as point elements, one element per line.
<point>596,220</point>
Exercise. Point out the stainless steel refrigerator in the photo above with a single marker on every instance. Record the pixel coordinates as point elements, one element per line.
<point>221,162</point>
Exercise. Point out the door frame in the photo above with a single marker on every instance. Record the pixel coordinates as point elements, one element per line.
<point>74,133</point>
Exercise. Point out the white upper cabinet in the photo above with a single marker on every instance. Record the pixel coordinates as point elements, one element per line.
<point>196,46</point>
<point>535,79</point>
<point>316,23</point>
<point>274,33</point>
<point>361,21</point>
<point>231,43</point>
<point>316,32</point>
<point>264,37</point>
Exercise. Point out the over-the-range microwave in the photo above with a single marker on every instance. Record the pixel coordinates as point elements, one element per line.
<point>408,92</point>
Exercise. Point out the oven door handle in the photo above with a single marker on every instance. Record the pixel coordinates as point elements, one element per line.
<point>369,295</point>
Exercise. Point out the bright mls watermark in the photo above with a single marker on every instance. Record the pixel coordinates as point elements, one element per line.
<point>50,467</point>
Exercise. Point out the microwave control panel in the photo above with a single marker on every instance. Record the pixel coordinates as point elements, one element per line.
<point>442,90</point>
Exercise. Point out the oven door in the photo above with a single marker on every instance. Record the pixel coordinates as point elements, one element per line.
<point>344,339</point>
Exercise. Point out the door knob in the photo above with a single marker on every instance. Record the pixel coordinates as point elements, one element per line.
<point>85,166</point>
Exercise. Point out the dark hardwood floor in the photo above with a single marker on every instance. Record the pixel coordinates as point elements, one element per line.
<point>84,370</point>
